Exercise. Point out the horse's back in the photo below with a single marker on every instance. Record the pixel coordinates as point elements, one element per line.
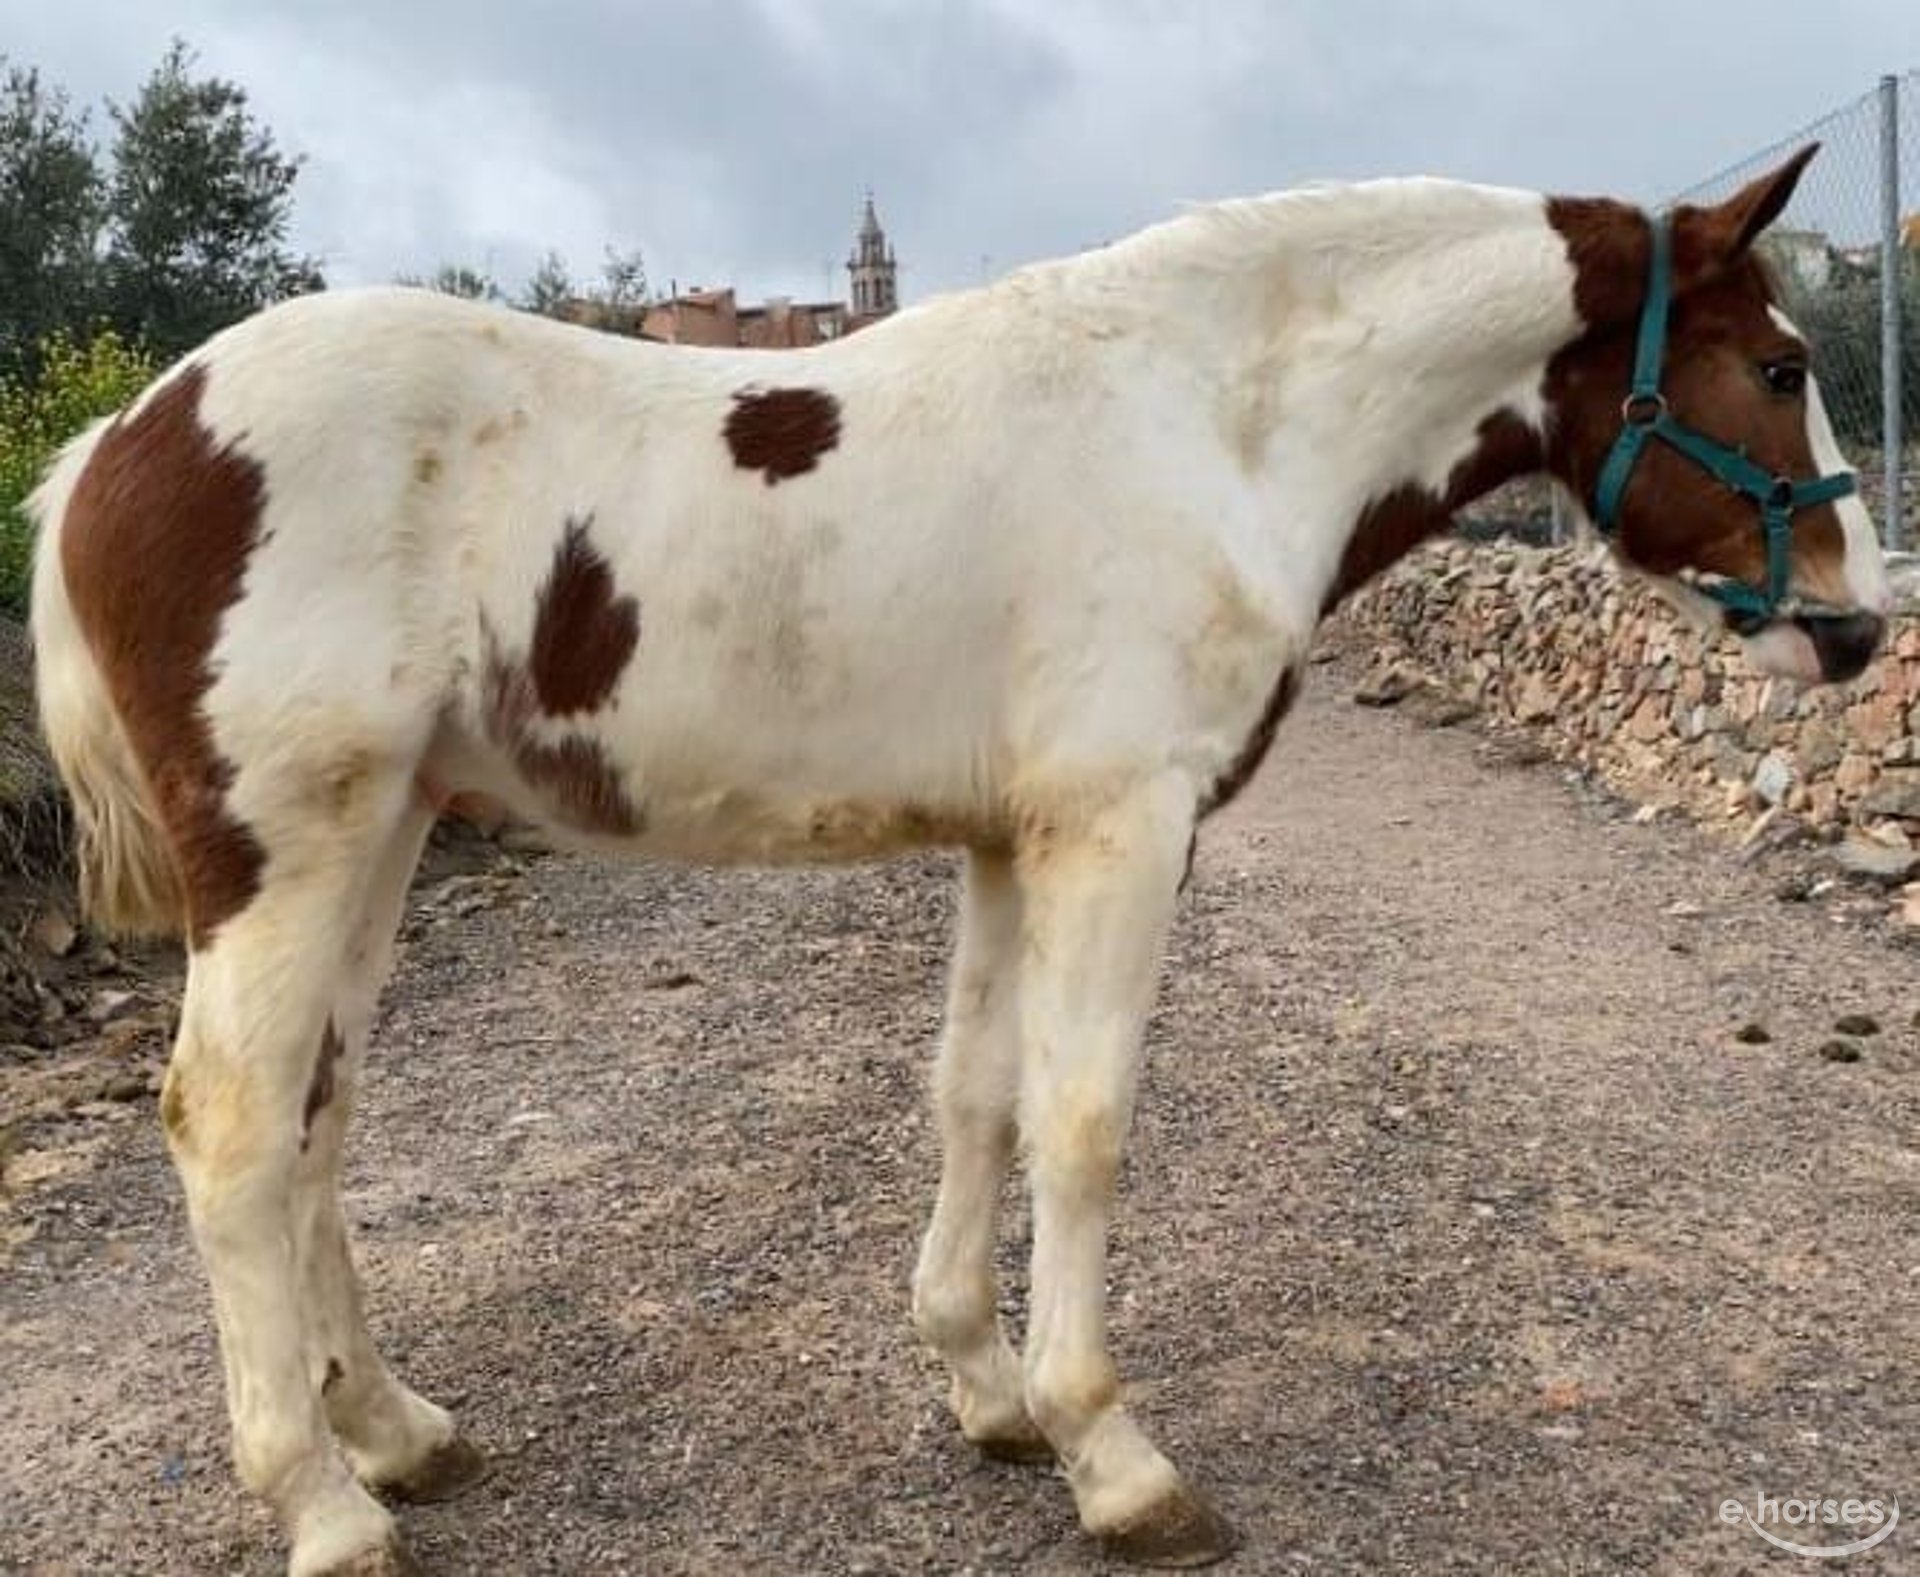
<point>724,604</point>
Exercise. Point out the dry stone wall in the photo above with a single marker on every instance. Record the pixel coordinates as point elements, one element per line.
<point>1606,675</point>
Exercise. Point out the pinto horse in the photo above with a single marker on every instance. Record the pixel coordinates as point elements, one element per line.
<point>1030,570</point>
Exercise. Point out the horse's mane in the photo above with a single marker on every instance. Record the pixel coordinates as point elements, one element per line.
<point>1376,218</point>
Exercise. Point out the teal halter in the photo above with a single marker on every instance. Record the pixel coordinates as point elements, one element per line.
<point>1644,415</point>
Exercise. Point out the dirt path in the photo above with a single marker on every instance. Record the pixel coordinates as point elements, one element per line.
<point>1459,1233</point>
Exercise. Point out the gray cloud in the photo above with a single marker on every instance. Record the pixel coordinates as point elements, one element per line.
<point>731,140</point>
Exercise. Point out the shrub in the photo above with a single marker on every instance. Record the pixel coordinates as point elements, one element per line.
<point>1843,323</point>
<point>76,383</point>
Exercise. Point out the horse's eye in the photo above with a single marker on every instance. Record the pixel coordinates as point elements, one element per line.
<point>1784,377</point>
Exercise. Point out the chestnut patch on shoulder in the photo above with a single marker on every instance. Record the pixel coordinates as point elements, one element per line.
<point>1243,766</point>
<point>154,549</point>
<point>782,433</point>
<point>320,1087</point>
<point>583,635</point>
<point>1394,525</point>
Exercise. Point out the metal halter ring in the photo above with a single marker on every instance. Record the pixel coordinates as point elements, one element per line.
<point>1643,410</point>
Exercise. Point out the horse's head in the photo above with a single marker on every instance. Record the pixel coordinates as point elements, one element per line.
<point>1687,419</point>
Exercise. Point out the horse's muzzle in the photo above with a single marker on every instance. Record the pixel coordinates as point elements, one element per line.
<point>1844,642</point>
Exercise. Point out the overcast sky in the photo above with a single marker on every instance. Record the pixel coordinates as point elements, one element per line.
<point>732,140</point>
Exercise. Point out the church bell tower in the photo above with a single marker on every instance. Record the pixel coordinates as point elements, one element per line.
<point>874,269</point>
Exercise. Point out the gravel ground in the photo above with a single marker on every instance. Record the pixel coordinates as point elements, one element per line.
<point>1459,1232</point>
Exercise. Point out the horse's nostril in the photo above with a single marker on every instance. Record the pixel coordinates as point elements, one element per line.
<point>1845,643</point>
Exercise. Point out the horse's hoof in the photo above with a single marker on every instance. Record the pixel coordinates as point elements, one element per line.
<point>392,1559</point>
<point>1180,1530</point>
<point>451,1467</point>
<point>1023,1444</point>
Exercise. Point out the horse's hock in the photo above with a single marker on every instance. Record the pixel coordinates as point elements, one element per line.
<point>1558,642</point>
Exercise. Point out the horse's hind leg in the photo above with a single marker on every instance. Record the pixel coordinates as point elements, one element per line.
<point>955,1302</point>
<point>253,1047</point>
<point>393,1438</point>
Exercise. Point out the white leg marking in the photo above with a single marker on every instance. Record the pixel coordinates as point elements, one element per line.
<point>955,1304</point>
<point>251,1027</point>
<point>386,1430</point>
<point>1097,912</point>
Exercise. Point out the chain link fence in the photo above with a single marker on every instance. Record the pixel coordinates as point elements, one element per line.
<point>1847,255</point>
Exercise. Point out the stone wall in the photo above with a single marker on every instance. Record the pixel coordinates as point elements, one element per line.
<point>1597,666</point>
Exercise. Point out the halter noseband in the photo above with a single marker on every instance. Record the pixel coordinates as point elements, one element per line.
<point>1644,415</point>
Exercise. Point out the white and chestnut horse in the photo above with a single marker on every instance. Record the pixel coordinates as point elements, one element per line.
<point>1029,570</point>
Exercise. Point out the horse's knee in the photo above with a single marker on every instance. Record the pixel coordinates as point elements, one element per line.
<point>952,1309</point>
<point>221,1135</point>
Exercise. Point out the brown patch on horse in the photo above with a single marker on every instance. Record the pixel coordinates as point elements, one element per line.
<point>1719,332</point>
<point>782,433</point>
<point>154,549</point>
<point>335,1374</point>
<point>1607,244</point>
<point>1254,751</point>
<point>583,788</point>
<point>320,1088</point>
<point>1610,243</point>
<point>1391,527</point>
<point>583,635</point>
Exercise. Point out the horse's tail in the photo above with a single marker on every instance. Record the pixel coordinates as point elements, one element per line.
<point>128,880</point>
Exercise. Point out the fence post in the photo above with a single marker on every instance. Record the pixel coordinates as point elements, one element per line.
<point>1894,526</point>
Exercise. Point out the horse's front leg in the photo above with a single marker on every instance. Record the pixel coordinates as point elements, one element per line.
<point>955,1301</point>
<point>1097,908</point>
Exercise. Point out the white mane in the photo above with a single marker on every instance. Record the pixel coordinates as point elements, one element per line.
<point>1348,221</point>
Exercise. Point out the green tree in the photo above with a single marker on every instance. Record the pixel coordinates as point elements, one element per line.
<point>457,279</point>
<point>50,208</point>
<point>198,211</point>
<point>76,382</point>
<point>1840,317</point>
<point>549,288</point>
<point>623,279</point>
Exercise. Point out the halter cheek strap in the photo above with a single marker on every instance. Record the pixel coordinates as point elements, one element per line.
<point>1644,415</point>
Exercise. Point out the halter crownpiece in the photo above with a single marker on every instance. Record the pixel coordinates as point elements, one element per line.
<point>1644,415</point>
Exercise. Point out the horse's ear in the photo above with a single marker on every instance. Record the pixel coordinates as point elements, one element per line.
<point>1707,239</point>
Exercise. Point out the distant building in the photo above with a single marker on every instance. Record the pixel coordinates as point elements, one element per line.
<point>716,317</point>
<point>874,271</point>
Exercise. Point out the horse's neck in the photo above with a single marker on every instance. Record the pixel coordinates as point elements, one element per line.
<point>1367,332</point>
<point>1381,350</point>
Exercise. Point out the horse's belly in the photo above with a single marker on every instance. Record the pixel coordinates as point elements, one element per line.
<point>740,798</point>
